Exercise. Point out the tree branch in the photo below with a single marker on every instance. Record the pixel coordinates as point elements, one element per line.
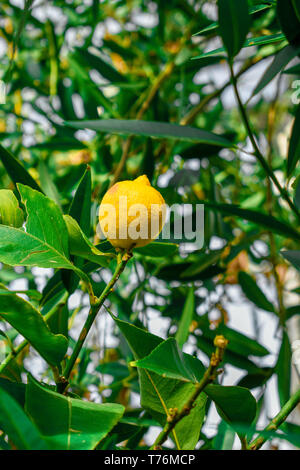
<point>277,421</point>
<point>209,376</point>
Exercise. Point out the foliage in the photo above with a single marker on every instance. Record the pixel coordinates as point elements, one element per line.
<point>94,96</point>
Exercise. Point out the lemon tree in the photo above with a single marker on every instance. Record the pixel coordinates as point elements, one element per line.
<point>149,225</point>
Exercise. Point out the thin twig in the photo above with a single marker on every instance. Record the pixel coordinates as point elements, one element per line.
<point>277,421</point>
<point>94,309</point>
<point>269,172</point>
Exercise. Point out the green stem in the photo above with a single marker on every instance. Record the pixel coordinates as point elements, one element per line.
<point>13,354</point>
<point>277,421</point>
<point>209,376</point>
<point>257,152</point>
<point>95,307</point>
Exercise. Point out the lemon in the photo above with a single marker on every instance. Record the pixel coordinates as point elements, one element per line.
<point>132,213</point>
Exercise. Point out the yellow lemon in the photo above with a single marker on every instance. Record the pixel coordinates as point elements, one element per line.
<point>132,213</point>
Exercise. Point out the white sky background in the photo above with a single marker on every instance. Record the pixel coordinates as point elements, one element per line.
<point>240,310</point>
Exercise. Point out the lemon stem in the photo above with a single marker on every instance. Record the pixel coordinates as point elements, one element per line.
<point>122,259</point>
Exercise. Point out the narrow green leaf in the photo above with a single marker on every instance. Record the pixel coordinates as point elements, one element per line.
<point>161,130</point>
<point>47,184</point>
<point>237,360</point>
<point>281,59</point>
<point>253,292</point>
<point>294,146</point>
<point>291,311</point>
<point>254,41</point>
<point>288,13</point>
<point>214,26</point>
<point>80,211</point>
<point>283,369</point>
<point>30,323</point>
<point>296,187</point>
<point>265,220</point>
<point>69,423</point>
<point>203,261</point>
<point>16,171</point>
<point>80,208</point>
<point>96,62</point>
<point>293,256</point>
<point>295,70</point>
<point>157,249</point>
<point>186,319</point>
<point>234,23</point>
<point>238,342</point>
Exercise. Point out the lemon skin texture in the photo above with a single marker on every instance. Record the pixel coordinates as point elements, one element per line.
<point>136,204</point>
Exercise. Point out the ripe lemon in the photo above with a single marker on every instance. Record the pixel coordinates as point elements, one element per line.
<point>132,213</point>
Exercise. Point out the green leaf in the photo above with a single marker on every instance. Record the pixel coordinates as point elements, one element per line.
<point>283,369</point>
<point>224,438</point>
<point>45,241</point>
<point>291,311</point>
<point>158,394</point>
<point>238,342</point>
<point>16,170</point>
<point>30,323</point>
<point>293,256</point>
<point>15,389</point>
<point>257,379</point>
<point>254,41</point>
<point>234,23</point>
<point>47,184</point>
<point>157,249</point>
<point>288,12</point>
<point>81,246</point>
<point>253,292</point>
<point>214,26</point>
<point>186,319</point>
<point>294,146</point>
<point>98,63</point>
<point>168,361</point>
<point>265,220</point>
<point>80,208</point>
<point>10,212</point>
<point>203,261</point>
<point>281,59</point>
<point>237,360</point>
<point>161,130</point>
<point>295,70</point>
<point>148,163</point>
<point>80,211</point>
<point>69,423</point>
<point>234,404</point>
<point>16,424</point>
